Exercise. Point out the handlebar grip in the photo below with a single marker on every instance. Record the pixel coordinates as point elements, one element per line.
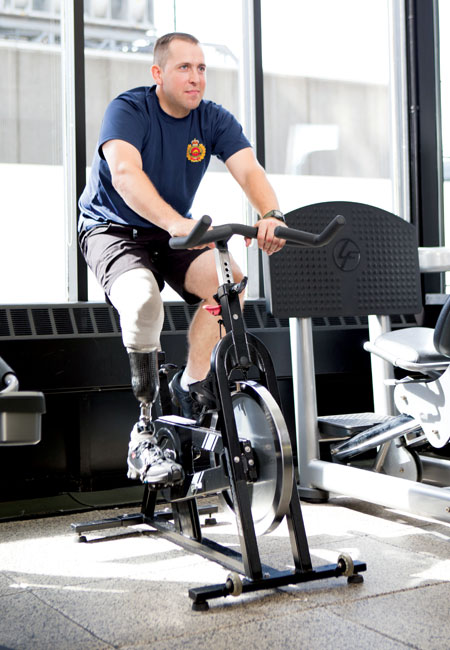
<point>309,239</point>
<point>330,231</point>
<point>192,239</point>
<point>200,234</point>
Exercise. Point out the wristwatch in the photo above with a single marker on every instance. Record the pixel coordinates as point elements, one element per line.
<point>275,214</point>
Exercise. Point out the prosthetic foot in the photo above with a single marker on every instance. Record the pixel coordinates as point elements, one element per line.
<point>146,460</point>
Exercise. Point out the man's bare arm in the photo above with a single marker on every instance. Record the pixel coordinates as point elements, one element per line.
<point>247,171</point>
<point>137,190</point>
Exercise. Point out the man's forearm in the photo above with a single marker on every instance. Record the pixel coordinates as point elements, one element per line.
<point>140,195</point>
<point>260,192</point>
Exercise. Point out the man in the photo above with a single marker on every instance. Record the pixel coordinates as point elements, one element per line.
<point>154,147</point>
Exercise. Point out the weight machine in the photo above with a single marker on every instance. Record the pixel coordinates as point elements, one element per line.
<point>370,269</point>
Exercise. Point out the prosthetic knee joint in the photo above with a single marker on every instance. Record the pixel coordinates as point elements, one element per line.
<point>145,384</point>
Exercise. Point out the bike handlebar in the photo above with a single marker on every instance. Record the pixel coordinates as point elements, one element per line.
<point>292,236</point>
<point>203,234</point>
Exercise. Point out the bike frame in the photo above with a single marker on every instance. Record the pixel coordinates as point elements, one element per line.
<point>234,355</point>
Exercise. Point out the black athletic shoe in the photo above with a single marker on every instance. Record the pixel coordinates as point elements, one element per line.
<point>182,398</point>
<point>147,462</point>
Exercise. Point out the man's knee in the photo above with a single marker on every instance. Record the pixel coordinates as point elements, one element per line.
<point>201,277</point>
<point>135,294</point>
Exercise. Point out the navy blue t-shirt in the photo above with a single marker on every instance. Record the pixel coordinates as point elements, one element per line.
<point>175,154</point>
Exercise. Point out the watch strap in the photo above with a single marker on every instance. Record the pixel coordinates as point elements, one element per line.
<point>274,214</point>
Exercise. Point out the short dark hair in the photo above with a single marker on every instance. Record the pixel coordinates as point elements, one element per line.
<point>161,47</point>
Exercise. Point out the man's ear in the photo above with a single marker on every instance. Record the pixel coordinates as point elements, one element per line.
<point>156,73</point>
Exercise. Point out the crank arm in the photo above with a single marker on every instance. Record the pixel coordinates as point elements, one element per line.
<point>208,481</point>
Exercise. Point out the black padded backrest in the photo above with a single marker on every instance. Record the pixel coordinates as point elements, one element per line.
<point>441,337</point>
<point>371,267</point>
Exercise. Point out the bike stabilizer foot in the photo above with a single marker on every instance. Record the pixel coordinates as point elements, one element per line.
<point>234,585</point>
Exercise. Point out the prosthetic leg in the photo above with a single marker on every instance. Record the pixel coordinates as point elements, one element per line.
<point>145,384</point>
<point>146,461</point>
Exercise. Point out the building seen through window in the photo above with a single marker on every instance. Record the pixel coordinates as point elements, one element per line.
<point>326,105</point>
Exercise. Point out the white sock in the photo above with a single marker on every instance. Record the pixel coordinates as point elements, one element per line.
<point>185,380</point>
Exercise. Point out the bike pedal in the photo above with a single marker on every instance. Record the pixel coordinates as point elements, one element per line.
<point>165,485</point>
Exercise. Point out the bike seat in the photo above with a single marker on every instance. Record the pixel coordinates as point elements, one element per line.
<point>411,348</point>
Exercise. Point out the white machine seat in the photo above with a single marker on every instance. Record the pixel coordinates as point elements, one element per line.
<point>411,348</point>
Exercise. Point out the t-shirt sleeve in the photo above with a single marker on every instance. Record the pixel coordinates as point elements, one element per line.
<point>228,136</point>
<point>123,120</point>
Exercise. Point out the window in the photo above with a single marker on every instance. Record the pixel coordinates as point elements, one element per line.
<point>118,57</point>
<point>327,101</point>
<point>327,111</point>
<point>32,231</point>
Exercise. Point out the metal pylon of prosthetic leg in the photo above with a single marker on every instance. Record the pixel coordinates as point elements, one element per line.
<point>145,384</point>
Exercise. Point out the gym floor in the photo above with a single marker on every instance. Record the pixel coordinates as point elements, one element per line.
<point>130,590</point>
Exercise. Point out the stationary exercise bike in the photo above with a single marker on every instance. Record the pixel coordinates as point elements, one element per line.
<point>242,433</point>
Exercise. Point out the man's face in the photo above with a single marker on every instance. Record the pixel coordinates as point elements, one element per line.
<point>182,80</point>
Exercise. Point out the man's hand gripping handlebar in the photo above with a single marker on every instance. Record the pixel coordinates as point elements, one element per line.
<point>202,233</point>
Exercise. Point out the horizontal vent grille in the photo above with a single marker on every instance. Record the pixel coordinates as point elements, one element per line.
<point>99,319</point>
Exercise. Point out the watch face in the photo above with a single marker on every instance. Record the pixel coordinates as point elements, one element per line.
<point>276,214</point>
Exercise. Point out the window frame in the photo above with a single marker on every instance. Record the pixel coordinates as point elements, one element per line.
<point>423,128</point>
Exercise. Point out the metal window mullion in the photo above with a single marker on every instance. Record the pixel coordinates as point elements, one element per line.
<point>247,117</point>
<point>425,127</point>
<point>259,83</point>
<point>253,98</point>
<point>74,140</point>
<point>399,110</point>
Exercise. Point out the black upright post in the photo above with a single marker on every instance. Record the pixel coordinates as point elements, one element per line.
<point>259,83</point>
<point>80,131</point>
<point>425,126</point>
<point>259,107</point>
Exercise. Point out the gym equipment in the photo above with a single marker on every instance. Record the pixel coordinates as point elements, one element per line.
<point>425,353</point>
<point>243,435</point>
<point>371,269</point>
<point>420,397</point>
<point>20,411</point>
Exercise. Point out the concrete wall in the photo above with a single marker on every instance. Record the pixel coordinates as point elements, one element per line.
<point>30,107</point>
<point>30,111</point>
<point>360,111</point>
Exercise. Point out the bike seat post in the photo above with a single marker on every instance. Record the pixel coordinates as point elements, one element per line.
<point>223,263</point>
<point>228,296</point>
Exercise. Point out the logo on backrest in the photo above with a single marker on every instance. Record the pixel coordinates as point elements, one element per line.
<point>346,255</point>
<point>195,151</point>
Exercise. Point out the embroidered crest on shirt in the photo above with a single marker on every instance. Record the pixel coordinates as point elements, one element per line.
<point>195,151</point>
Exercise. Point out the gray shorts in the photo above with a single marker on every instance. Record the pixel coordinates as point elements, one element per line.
<point>112,249</point>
